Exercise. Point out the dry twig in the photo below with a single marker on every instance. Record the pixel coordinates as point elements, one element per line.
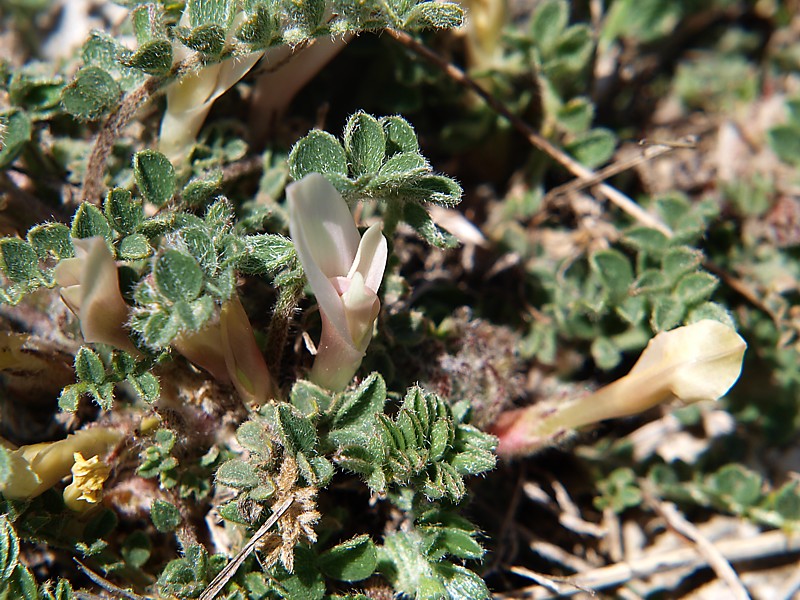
<point>573,166</point>
<point>219,582</point>
<point>678,523</point>
<point>772,543</point>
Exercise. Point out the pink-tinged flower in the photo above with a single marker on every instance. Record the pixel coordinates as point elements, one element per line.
<point>228,350</point>
<point>344,270</point>
<point>90,288</point>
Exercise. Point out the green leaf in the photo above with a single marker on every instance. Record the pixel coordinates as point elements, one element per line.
<point>548,22</point>
<point>785,142</point>
<point>208,39</point>
<point>238,474</point>
<point>434,15</point>
<point>90,222</point>
<point>605,353</point>
<point>461,583</point>
<point>401,560</point>
<point>69,397</point>
<point>91,95</point>
<point>436,189</point>
<point>364,144</point>
<point>18,261</point>
<point>309,398</point>
<point>667,314</point>
<point>644,238</point>
<point>21,585</point>
<point>146,385</point>
<point>306,583</point>
<point>148,22</point>
<point>267,254</point>
<point>633,309</point>
<point>440,438</point>
<point>155,176</point>
<point>400,168</point>
<point>419,219</point>
<point>153,57</point>
<point>134,247</point>
<point>103,50</point>
<point>786,501</point>
<point>89,367</point>
<point>15,130</point>
<point>360,406</point>
<point>455,542</point>
<point>201,191</point>
<point>157,329</point>
<point>318,152</point>
<point>202,12</point>
<point>679,261</point>
<point>736,485</point>
<point>178,276</point>
<point>594,147</point>
<point>695,287</point>
<point>712,311</point>
<point>650,281</point>
<point>614,271</point>
<point>299,434</point>
<point>576,115</point>
<point>254,437</point>
<point>353,560</point>
<point>136,549</point>
<point>356,458</point>
<point>9,549</point>
<point>166,516</point>
<point>260,29</point>
<point>51,239</point>
<point>400,136</point>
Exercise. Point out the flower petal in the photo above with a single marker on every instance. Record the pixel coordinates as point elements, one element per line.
<point>361,305</point>
<point>322,220</point>
<point>96,298</point>
<point>246,366</point>
<point>326,240</point>
<point>370,260</point>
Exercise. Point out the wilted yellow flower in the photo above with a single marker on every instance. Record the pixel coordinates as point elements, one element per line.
<point>88,477</point>
<point>38,467</point>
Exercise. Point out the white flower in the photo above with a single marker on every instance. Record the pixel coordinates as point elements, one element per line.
<point>344,271</point>
<point>90,288</point>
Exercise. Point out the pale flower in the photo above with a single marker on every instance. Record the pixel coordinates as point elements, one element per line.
<point>90,288</point>
<point>190,99</point>
<point>228,350</point>
<point>344,270</point>
<point>696,362</point>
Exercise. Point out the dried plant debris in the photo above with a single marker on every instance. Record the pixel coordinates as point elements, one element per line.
<point>343,300</point>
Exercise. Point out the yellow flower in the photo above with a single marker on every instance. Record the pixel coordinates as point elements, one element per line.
<point>88,477</point>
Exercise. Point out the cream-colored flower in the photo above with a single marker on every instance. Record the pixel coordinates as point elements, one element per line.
<point>344,270</point>
<point>90,288</point>
<point>696,362</point>
<point>190,99</point>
